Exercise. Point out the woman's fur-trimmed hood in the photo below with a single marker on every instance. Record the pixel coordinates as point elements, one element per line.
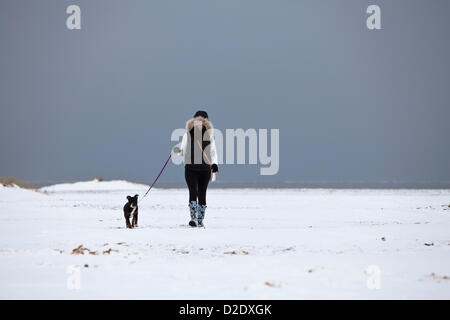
<point>205,123</point>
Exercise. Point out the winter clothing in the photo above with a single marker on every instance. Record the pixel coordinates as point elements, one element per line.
<point>200,215</point>
<point>197,182</point>
<point>193,210</point>
<point>193,139</point>
<point>200,158</point>
<point>201,113</point>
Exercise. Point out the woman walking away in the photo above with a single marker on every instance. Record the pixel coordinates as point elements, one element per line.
<point>200,159</point>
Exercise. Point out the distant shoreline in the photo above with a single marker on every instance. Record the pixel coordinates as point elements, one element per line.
<point>284,184</point>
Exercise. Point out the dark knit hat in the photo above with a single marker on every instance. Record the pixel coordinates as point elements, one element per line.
<point>201,113</point>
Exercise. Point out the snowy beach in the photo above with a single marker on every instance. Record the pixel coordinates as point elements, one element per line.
<point>257,244</point>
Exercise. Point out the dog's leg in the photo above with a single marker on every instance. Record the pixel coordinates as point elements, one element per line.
<point>127,220</point>
<point>135,219</point>
<point>133,214</point>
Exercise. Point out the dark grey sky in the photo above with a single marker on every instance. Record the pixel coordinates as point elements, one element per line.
<point>351,104</point>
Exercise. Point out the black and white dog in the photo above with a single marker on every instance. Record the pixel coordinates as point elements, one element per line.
<point>131,209</point>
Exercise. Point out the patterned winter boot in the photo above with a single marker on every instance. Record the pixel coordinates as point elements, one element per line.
<point>200,214</point>
<point>193,211</point>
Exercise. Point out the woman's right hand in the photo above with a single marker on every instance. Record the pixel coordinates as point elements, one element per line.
<point>177,150</point>
<point>214,168</point>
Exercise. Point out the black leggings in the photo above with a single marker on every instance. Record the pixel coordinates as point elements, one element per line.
<point>197,182</point>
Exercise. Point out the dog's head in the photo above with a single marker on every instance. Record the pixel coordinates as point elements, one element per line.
<point>133,201</point>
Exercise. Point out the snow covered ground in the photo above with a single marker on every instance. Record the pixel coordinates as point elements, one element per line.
<point>258,244</point>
